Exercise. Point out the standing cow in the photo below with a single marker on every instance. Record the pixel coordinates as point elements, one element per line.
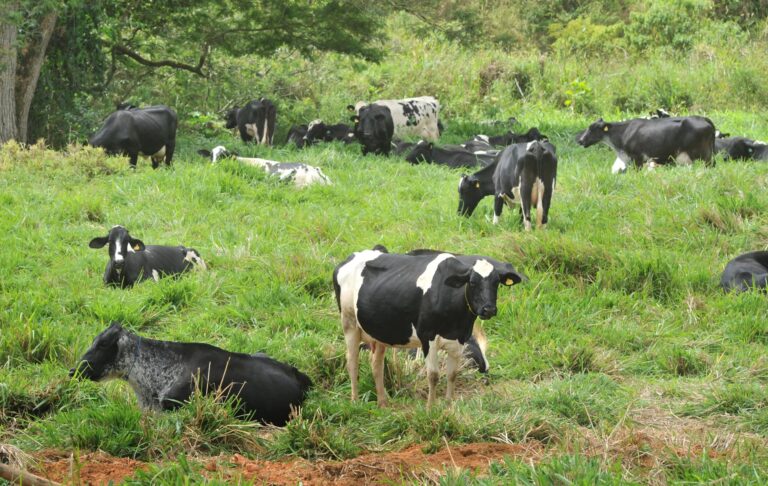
<point>429,301</point>
<point>255,121</point>
<point>150,132</point>
<point>410,117</point>
<point>524,174</point>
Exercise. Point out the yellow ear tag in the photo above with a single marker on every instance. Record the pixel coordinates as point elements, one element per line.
<point>509,281</point>
<point>136,247</point>
<point>477,185</point>
<point>605,128</point>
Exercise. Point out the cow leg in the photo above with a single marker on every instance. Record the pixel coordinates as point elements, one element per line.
<point>378,350</point>
<point>352,339</point>
<point>454,351</point>
<point>169,148</point>
<point>134,158</point>
<point>498,205</point>
<point>155,162</point>
<point>540,223</point>
<point>433,372</point>
<point>547,199</point>
<point>526,194</point>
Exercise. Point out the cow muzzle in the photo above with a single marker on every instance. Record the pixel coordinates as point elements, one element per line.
<point>487,312</point>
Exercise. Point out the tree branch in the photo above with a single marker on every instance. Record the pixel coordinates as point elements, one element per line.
<point>198,69</point>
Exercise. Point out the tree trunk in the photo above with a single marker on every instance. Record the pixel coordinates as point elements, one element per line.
<point>8,34</point>
<point>29,72</point>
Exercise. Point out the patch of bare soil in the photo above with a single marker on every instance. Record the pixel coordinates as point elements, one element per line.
<point>91,468</point>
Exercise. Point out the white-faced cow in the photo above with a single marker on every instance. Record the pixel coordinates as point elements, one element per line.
<point>747,271</point>
<point>130,261</point>
<point>453,157</point>
<point>318,131</point>
<point>149,132</point>
<point>741,148</point>
<point>302,175</point>
<point>429,301</point>
<point>255,121</point>
<point>164,374</point>
<point>656,141</point>
<point>524,174</point>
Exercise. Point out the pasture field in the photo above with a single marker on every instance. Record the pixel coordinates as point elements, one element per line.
<point>619,361</point>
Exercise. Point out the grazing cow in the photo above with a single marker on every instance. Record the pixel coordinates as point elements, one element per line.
<point>164,374</point>
<point>130,261</point>
<point>456,157</point>
<point>747,271</point>
<point>656,141</point>
<point>741,148</point>
<point>302,175</point>
<point>150,132</point>
<point>255,121</point>
<point>374,129</point>
<point>524,174</point>
<point>407,301</point>
<point>317,131</point>
<point>296,135</point>
<point>411,117</point>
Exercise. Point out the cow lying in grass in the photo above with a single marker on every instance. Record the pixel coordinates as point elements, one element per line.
<point>745,272</point>
<point>302,175</point>
<point>164,374</point>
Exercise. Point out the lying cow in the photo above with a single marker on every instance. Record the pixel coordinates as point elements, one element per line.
<point>296,135</point>
<point>745,272</point>
<point>524,174</point>
<point>374,129</point>
<point>302,175</point>
<point>399,147</point>
<point>457,157</point>
<point>318,131</point>
<point>164,374</point>
<point>411,117</point>
<point>149,132</point>
<point>656,141</point>
<point>741,148</point>
<point>255,121</point>
<point>130,261</point>
<point>429,301</point>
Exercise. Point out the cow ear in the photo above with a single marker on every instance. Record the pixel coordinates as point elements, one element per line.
<point>137,245</point>
<point>99,242</point>
<point>511,278</point>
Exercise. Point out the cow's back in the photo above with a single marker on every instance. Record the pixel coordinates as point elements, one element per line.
<point>414,117</point>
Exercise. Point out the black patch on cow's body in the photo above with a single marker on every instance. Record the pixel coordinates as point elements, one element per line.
<point>449,156</point>
<point>256,112</point>
<point>746,271</point>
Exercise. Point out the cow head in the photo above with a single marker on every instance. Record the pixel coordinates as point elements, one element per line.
<point>218,152</point>
<point>480,282</point>
<point>100,361</point>
<point>374,128</point>
<point>120,243</point>
<point>421,152</point>
<point>231,118</point>
<point>193,256</point>
<point>470,194</point>
<point>659,113</point>
<point>594,134</point>
<point>315,131</point>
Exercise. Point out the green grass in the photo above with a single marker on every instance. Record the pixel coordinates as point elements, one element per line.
<point>622,312</point>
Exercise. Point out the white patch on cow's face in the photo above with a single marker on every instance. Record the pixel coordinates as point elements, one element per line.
<point>483,138</point>
<point>483,268</point>
<point>155,275</point>
<point>119,251</point>
<point>424,282</point>
<point>216,152</point>
<point>619,167</point>
<point>350,279</point>
<point>313,123</point>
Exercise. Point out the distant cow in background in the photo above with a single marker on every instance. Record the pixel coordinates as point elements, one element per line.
<point>296,135</point>
<point>411,117</point>
<point>741,148</point>
<point>747,271</point>
<point>130,261</point>
<point>508,138</point>
<point>149,132</point>
<point>318,131</point>
<point>457,157</point>
<point>164,374</point>
<point>255,121</point>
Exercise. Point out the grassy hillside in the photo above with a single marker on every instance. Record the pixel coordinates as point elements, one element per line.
<point>621,355</point>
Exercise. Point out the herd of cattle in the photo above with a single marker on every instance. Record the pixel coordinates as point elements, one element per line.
<point>423,299</point>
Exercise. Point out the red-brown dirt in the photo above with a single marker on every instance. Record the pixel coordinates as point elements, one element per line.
<point>91,468</point>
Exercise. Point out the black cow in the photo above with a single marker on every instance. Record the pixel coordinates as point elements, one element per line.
<point>429,301</point>
<point>150,132</point>
<point>296,135</point>
<point>130,261</point>
<point>164,374</point>
<point>745,272</point>
<point>255,121</point>
<point>478,144</point>
<point>524,174</point>
<point>510,137</point>
<point>374,128</point>
<point>318,131</point>
<point>741,148</point>
<point>452,157</point>
<point>656,141</point>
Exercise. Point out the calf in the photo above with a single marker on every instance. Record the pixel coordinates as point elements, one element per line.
<point>255,121</point>
<point>411,117</point>
<point>745,272</point>
<point>149,132</point>
<point>429,301</point>
<point>741,148</point>
<point>457,157</point>
<point>302,175</point>
<point>657,141</point>
<point>317,131</point>
<point>164,374</point>
<point>524,174</point>
<point>130,261</point>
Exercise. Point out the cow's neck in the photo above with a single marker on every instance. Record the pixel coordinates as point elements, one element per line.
<point>485,176</point>
<point>149,366</point>
<point>614,136</point>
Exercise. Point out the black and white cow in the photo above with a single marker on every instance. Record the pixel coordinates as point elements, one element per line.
<point>659,113</point>
<point>399,147</point>
<point>747,271</point>
<point>524,174</point>
<point>411,117</point>
<point>429,301</point>
<point>374,129</point>
<point>150,132</point>
<point>741,148</point>
<point>255,121</point>
<point>454,157</point>
<point>318,131</point>
<point>656,141</point>
<point>302,175</point>
<point>296,135</point>
<point>164,374</point>
<point>130,261</point>
<point>508,138</point>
